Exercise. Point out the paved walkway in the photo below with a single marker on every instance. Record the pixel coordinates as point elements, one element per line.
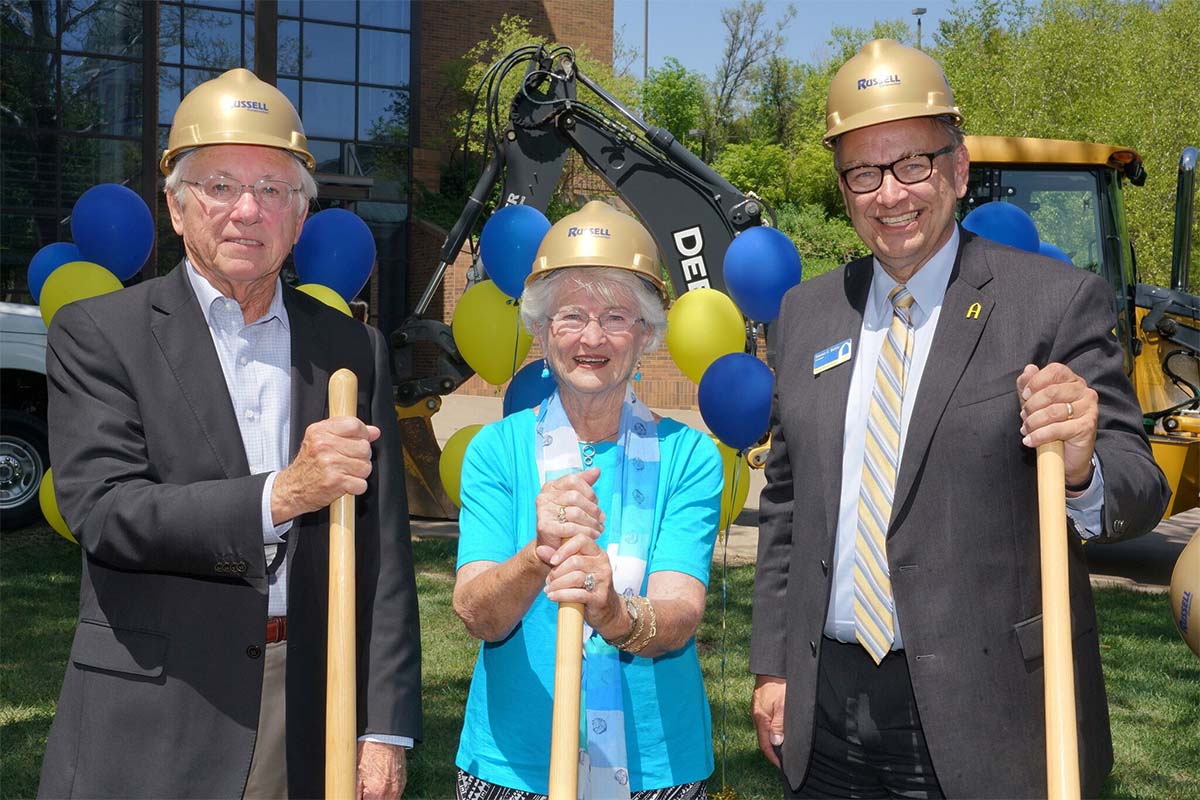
<point>1144,563</point>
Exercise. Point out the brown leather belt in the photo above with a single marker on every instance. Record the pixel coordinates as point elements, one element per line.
<point>276,629</point>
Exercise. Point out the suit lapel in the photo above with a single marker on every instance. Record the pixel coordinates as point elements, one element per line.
<point>310,378</point>
<point>182,334</point>
<point>959,327</point>
<point>833,387</point>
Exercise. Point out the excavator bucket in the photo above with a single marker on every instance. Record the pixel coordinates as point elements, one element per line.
<point>426,496</point>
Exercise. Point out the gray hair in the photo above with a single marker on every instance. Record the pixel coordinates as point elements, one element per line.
<point>607,284</point>
<point>174,183</point>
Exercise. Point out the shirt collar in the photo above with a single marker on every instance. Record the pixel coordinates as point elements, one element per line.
<point>928,285</point>
<point>209,298</point>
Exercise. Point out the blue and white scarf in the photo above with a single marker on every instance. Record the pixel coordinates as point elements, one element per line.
<point>603,765</point>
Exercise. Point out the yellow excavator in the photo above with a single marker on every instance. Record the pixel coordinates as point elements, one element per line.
<point>1074,193</point>
<point>1072,190</point>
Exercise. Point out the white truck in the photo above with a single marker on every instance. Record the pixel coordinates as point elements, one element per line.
<point>24,455</point>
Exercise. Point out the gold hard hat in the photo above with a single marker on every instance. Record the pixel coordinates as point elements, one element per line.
<point>883,82</point>
<point>236,108</point>
<point>598,235</point>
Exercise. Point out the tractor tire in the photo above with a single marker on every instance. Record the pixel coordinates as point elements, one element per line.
<point>24,459</point>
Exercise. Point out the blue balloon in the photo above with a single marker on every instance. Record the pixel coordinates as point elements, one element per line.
<point>335,249</point>
<point>735,399</point>
<point>1047,249</point>
<point>1005,223</point>
<point>112,227</point>
<point>528,388</point>
<point>761,264</point>
<point>508,244</point>
<point>45,261</point>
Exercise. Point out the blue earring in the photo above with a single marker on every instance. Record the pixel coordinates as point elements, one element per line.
<point>637,375</point>
<point>545,372</point>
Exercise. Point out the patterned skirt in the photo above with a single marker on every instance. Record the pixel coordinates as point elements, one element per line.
<point>471,788</point>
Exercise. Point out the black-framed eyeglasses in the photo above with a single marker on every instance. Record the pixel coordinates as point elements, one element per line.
<point>270,193</point>
<point>572,320</point>
<point>908,170</point>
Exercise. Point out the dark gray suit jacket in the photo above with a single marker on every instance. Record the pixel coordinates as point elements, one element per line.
<point>162,690</point>
<point>963,540</point>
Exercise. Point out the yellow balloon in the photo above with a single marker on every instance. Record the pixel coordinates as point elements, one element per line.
<point>1185,593</point>
<point>451,461</point>
<point>735,492</point>
<point>702,326</point>
<point>75,280</point>
<point>489,334</point>
<point>326,295</point>
<point>49,504</point>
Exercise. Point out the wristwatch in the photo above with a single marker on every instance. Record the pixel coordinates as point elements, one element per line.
<point>632,609</point>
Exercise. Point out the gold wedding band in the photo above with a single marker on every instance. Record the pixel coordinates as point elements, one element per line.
<point>562,514</point>
<point>1070,411</point>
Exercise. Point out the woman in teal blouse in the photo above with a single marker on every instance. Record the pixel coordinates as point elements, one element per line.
<point>589,498</point>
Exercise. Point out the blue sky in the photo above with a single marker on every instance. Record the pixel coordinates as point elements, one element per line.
<point>691,30</point>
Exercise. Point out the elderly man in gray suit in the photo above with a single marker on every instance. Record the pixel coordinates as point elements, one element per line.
<point>194,461</point>
<point>897,611</point>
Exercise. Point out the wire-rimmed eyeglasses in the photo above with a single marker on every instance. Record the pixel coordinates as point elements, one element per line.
<point>572,320</point>
<point>270,193</point>
<point>908,170</point>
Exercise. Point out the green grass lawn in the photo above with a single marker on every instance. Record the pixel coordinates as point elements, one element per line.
<point>1153,679</point>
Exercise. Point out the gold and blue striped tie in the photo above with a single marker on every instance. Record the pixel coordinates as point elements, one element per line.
<point>873,603</point>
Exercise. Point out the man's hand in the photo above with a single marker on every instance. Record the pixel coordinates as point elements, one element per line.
<point>382,771</point>
<point>334,459</point>
<point>767,709</point>
<point>1058,405</point>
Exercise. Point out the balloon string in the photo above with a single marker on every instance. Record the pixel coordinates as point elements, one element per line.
<point>516,339</point>
<point>724,627</point>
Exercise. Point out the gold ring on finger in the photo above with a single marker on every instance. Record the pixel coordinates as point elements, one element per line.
<point>562,514</point>
<point>1070,411</point>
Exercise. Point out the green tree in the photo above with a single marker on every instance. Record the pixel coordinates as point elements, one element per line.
<point>673,97</point>
<point>775,100</point>
<point>1091,70</point>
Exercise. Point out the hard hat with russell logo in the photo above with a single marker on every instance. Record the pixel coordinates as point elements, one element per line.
<point>236,108</point>
<point>883,82</point>
<point>598,235</point>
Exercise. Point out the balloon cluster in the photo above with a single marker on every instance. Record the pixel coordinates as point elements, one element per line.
<point>487,325</point>
<point>706,334</point>
<point>114,234</point>
<point>334,257</point>
<point>1009,224</point>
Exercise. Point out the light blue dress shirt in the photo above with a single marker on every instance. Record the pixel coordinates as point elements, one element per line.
<point>928,288</point>
<point>256,359</point>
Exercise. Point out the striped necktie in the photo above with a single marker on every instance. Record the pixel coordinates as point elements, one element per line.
<point>873,603</point>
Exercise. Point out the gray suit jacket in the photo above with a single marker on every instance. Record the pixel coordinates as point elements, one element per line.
<point>162,690</point>
<point>963,539</point>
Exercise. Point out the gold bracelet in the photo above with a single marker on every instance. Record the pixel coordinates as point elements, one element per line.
<point>648,609</point>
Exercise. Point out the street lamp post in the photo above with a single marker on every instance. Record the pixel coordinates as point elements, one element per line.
<point>917,12</point>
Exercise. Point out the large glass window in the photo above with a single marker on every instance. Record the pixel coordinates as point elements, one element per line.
<point>73,116</point>
<point>79,80</point>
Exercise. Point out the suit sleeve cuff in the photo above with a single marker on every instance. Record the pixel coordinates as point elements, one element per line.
<point>383,738</point>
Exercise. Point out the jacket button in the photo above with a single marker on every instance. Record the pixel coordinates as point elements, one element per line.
<point>220,566</point>
<point>241,567</point>
<point>254,651</point>
<point>1119,525</point>
<point>813,646</point>
<point>824,567</point>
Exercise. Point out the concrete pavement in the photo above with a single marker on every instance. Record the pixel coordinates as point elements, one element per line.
<point>1144,563</point>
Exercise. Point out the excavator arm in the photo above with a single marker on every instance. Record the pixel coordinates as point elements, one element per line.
<point>690,210</point>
